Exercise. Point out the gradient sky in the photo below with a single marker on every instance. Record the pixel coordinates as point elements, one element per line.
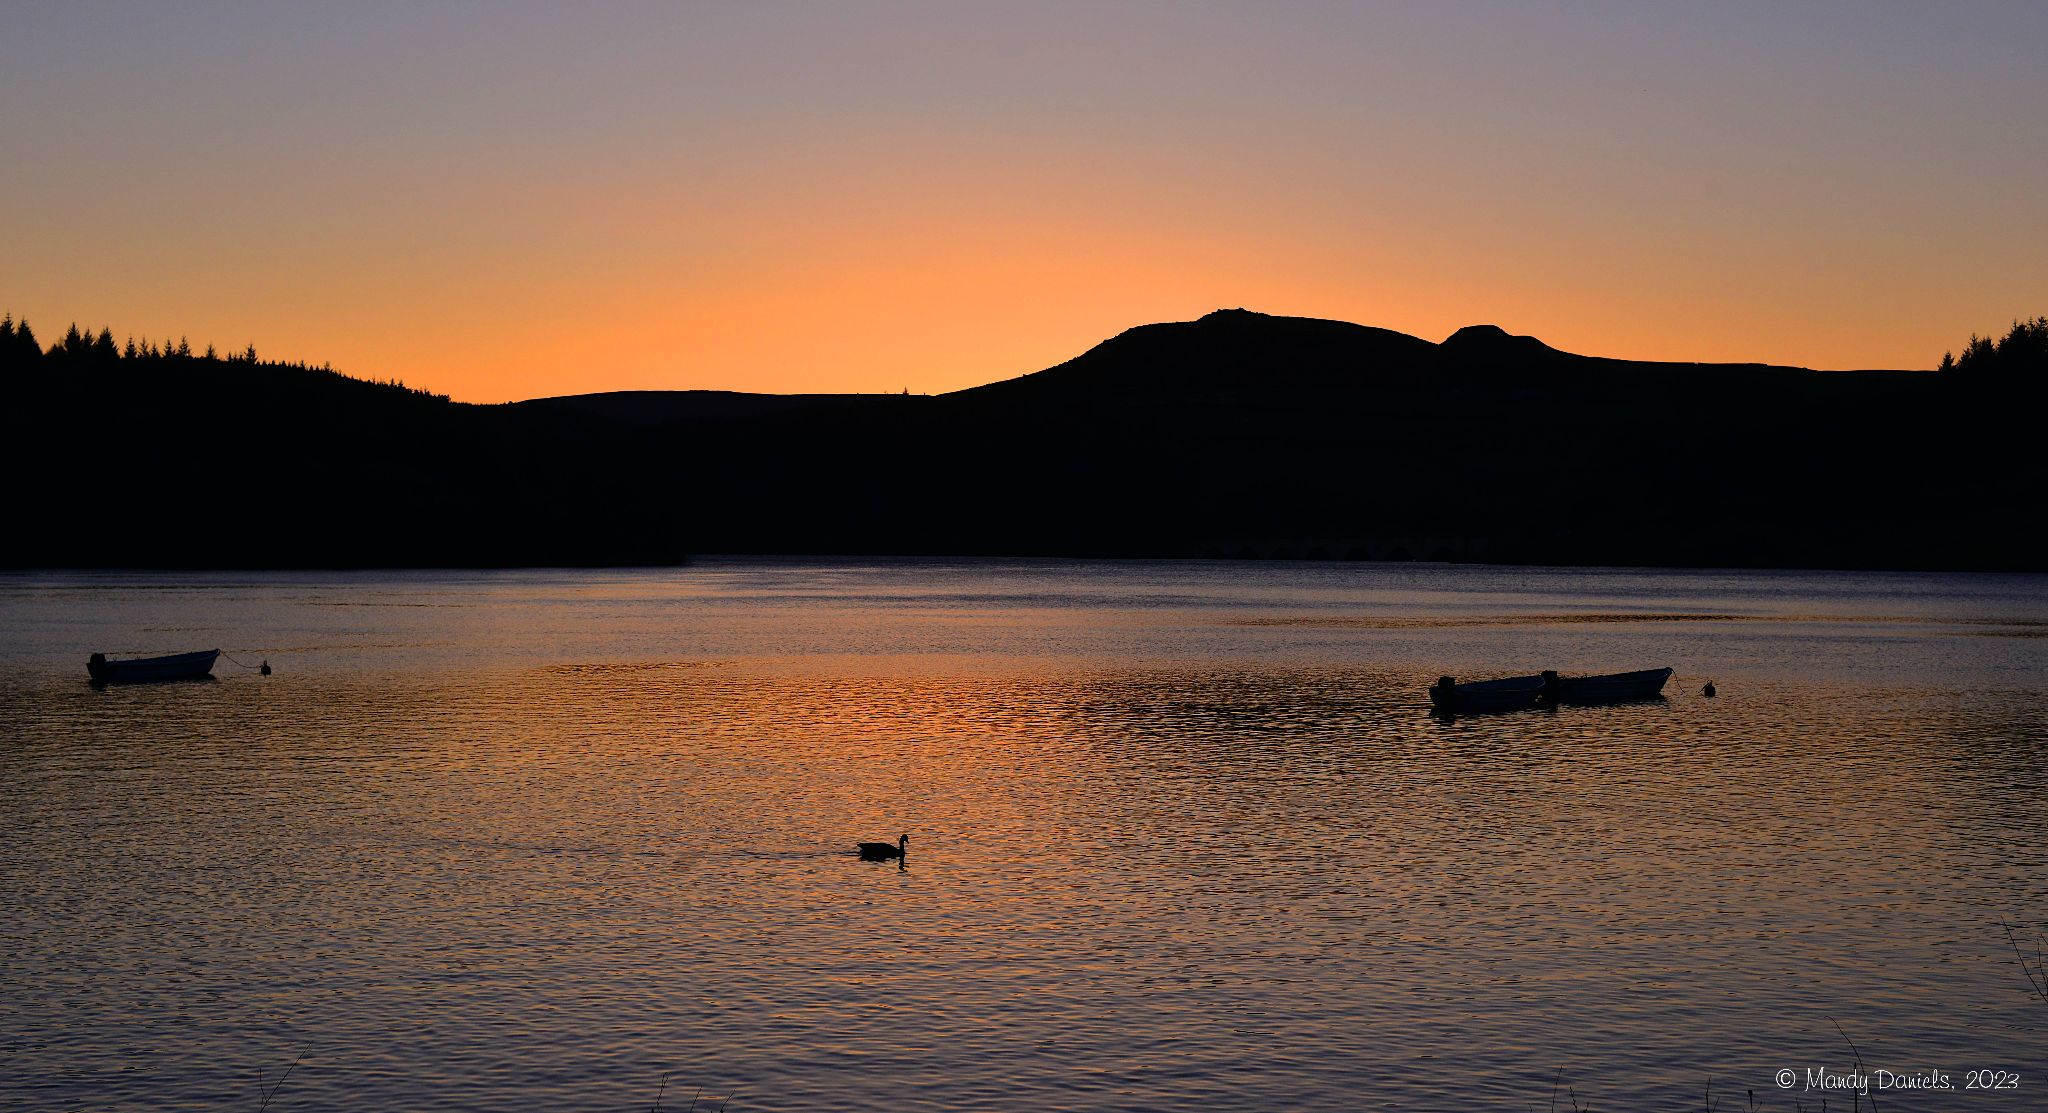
<point>517,199</point>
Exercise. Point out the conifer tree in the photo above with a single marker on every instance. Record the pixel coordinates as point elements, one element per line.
<point>2019,357</point>
<point>2024,351</point>
<point>1977,353</point>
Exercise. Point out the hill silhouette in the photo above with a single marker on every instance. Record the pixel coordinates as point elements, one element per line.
<point>163,458</point>
<point>1236,435</point>
<point>656,407</point>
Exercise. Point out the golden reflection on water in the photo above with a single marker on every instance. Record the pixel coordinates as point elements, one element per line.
<point>544,878</point>
<point>1226,886</point>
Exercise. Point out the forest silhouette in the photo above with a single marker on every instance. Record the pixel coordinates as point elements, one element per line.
<point>2019,357</point>
<point>1239,435</point>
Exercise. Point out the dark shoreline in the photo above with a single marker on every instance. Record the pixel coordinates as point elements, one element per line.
<point>1239,436</point>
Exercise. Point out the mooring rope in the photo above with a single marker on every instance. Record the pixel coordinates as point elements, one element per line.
<point>262,668</point>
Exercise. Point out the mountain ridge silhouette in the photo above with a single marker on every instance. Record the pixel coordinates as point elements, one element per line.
<point>1238,434</point>
<point>1226,334</point>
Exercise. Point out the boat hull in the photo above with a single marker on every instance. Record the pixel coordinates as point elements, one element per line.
<point>1509,694</point>
<point>1617,687</point>
<point>153,670</point>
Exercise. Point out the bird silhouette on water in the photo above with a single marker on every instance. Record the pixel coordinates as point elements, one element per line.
<point>1708,691</point>
<point>882,852</point>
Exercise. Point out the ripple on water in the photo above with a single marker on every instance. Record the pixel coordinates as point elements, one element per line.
<point>1253,881</point>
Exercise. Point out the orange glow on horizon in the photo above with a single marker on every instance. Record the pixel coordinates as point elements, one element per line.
<point>939,294</point>
<point>806,200</point>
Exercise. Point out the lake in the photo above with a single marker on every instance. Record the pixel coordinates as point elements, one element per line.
<point>1182,836</point>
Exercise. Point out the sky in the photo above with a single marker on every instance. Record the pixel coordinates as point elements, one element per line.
<point>520,199</point>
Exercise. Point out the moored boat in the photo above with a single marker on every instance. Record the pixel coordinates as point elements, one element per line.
<point>1616,687</point>
<point>1506,694</point>
<point>144,670</point>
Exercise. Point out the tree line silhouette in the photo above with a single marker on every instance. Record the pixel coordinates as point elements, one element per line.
<point>2020,356</point>
<point>150,454</point>
<point>82,349</point>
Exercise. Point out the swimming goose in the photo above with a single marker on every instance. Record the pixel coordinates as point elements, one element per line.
<point>882,852</point>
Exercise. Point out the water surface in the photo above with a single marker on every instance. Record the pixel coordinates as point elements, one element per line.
<point>1183,835</point>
